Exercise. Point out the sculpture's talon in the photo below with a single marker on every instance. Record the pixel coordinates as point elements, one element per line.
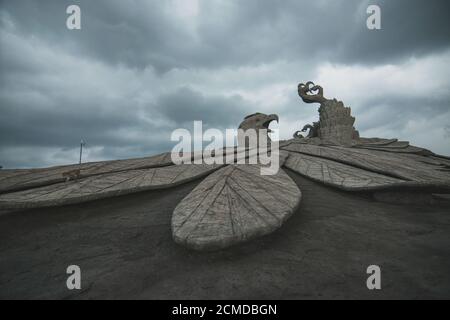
<point>336,122</point>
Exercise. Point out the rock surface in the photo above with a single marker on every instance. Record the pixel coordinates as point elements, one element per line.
<point>338,175</point>
<point>409,169</point>
<point>20,179</point>
<point>125,250</point>
<point>105,185</point>
<point>335,123</point>
<point>233,205</point>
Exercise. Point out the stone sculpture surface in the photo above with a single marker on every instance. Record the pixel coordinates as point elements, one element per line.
<point>256,121</point>
<point>336,123</point>
<point>234,203</point>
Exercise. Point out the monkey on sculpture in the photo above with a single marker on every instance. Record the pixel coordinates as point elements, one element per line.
<point>71,174</point>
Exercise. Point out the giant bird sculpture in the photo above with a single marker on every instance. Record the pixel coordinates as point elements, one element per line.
<point>234,203</point>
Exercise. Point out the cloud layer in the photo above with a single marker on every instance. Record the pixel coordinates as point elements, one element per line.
<point>139,69</point>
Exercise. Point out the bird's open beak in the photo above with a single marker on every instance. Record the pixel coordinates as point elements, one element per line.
<point>270,118</point>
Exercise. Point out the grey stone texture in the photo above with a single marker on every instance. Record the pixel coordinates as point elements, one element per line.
<point>105,185</point>
<point>125,249</point>
<point>333,153</point>
<point>233,205</point>
<point>336,122</point>
<point>337,174</point>
<point>257,121</point>
<point>410,170</point>
<point>19,179</point>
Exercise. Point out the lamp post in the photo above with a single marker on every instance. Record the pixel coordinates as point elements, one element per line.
<point>82,143</point>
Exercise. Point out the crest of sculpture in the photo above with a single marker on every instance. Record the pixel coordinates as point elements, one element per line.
<point>234,203</point>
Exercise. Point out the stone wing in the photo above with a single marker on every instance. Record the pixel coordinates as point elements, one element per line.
<point>20,179</point>
<point>233,205</point>
<point>127,180</point>
<point>380,164</point>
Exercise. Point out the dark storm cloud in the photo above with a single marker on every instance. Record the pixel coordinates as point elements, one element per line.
<point>396,118</point>
<point>136,33</point>
<point>139,69</point>
<point>409,28</point>
<point>27,124</point>
<point>145,33</point>
<point>186,105</point>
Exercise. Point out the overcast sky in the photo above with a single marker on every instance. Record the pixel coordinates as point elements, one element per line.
<point>139,69</point>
